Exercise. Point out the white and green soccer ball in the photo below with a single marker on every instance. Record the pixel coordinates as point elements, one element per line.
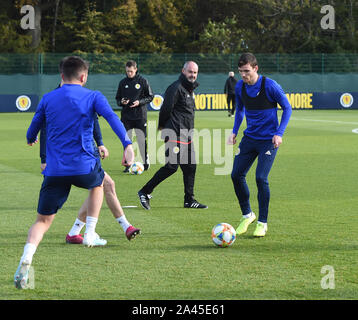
<point>136,168</point>
<point>223,235</point>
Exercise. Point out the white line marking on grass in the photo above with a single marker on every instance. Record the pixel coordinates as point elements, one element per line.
<point>328,121</point>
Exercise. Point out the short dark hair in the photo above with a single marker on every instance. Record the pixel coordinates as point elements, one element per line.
<point>246,58</point>
<point>72,66</point>
<point>131,63</point>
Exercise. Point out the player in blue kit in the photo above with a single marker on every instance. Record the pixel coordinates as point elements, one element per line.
<point>69,114</point>
<point>256,99</point>
<point>74,236</point>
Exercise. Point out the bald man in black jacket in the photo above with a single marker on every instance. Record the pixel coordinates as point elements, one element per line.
<point>229,90</point>
<point>176,120</point>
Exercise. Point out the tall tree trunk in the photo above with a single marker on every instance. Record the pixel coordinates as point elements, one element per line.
<point>54,26</point>
<point>36,33</point>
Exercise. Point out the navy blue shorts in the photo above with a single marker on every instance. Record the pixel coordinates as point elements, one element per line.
<point>55,190</point>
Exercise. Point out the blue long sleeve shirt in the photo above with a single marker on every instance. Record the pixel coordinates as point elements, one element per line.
<point>97,136</point>
<point>69,114</point>
<point>257,120</point>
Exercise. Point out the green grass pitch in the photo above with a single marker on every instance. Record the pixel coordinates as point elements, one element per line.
<point>313,223</point>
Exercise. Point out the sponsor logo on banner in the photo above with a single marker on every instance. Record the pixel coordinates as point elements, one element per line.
<point>157,102</point>
<point>23,103</point>
<point>297,100</point>
<point>346,100</point>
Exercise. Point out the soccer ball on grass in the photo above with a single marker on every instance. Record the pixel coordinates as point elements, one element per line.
<point>223,235</point>
<point>136,168</point>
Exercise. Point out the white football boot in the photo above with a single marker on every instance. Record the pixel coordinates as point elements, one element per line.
<point>93,240</point>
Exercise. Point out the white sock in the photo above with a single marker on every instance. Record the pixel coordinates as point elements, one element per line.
<point>29,251</point>
<point>76,228</point>
<point>91,223</point>
<point>248,215</point>
<point>123,222</point>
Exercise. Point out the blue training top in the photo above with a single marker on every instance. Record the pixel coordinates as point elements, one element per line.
<point>97,136</point>
<point>69,113</point>
<point>262,124</point>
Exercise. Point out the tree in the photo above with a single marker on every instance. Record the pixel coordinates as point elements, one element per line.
<point>222,37</point>
<point>180,26</point>
<point>12,39</point>
<point>40,6</point>
<point>53,42</point>
<point>271,26</point>
<point>89,33</point>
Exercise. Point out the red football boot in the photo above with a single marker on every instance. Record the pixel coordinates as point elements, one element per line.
<point>77,239</point>
<point>132,232</point>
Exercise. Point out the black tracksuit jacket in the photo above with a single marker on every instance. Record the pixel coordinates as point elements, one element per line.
<point>230,85</point>
<point>178,109</point>
<point>136,88</point>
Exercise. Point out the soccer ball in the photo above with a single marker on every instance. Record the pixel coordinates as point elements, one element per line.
<point>136,168</point>
<point>223,235</point>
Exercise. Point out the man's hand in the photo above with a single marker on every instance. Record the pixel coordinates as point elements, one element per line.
<point>134,104</point>
<point>232,139</point>
<point>125,101</point>
<point>103,152</point>
<point>32,143</point>
<point>276,140</point>
<point>128,156</point>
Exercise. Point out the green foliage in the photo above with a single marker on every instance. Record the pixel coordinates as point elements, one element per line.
<point>166,26</point>
<point>227,36</point>
<point>12,41</point>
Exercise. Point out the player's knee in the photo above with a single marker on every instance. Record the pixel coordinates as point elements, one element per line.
<point>188,168</point>
<point>45,220</point>
<point>171,167</point>
<point>237,176</point>
<point>261,180</point>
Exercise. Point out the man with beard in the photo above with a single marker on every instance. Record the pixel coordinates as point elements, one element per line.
<point>176,121</point>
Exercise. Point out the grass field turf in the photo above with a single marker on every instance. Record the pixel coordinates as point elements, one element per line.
<point>313,222</point>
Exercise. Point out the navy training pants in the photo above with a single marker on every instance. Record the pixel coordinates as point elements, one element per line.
<point>249,150</point>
